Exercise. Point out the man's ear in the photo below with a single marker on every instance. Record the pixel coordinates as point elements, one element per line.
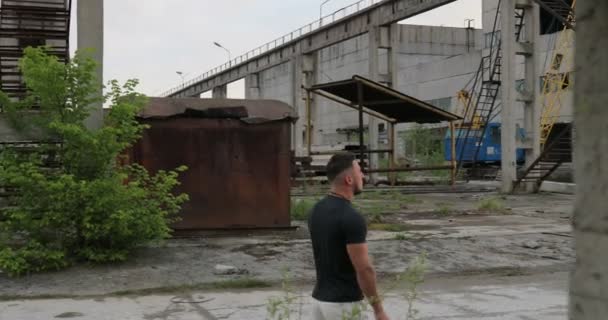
<point>348,179</point>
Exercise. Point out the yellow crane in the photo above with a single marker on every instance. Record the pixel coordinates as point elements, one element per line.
<point>465,104</point>
<point>557,78</point>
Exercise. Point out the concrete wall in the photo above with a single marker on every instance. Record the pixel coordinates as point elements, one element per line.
<point>339,62</point>
<point>420,49</point>
<point>424,55</point>
<point>277,83</point>
<point>440,79</point>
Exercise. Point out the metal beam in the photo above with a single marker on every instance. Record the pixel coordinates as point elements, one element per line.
<point>557,9</point>
<point>383,13</point>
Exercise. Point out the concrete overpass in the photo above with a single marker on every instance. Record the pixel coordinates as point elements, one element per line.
<point>346,23</point>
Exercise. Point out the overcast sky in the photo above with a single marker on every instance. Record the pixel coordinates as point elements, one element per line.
<point>150,40</point>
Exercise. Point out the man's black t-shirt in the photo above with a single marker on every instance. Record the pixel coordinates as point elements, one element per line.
<point>334,223</point>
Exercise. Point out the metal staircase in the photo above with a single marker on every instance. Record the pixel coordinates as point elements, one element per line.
<point>556,145</point>
<point>25,23</point>
<point>558,150</point>
<point>480,111</point>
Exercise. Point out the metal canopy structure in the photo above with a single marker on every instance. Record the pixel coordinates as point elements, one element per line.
<point>392,104</point>
<point>377,100</point>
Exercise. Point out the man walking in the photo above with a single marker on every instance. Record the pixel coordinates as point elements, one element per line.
<point>338,233</point>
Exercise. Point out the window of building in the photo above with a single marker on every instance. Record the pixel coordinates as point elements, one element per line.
<point>520,85</point>
<point>491,39</point>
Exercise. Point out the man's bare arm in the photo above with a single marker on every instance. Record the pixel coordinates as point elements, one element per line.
<point>366,276</point>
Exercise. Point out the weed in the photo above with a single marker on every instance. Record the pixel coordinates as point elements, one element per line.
<point>491,204</point>
<point>280,308</point>
<point>444,208</point>
<point>402,236</point>
<point>300,208</point>
<point>401,176</point>
<point>374,211</point>
<point>413,277</point>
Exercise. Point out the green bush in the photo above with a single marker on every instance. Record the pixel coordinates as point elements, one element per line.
<point>91,207</point>
<point>300,208</point>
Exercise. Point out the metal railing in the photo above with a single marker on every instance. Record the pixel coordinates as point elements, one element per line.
<point>305,30</point>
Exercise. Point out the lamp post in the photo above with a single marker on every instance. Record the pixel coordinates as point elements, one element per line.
<point>228,51</point>
<point>181,75</point>
<point>321,12</point>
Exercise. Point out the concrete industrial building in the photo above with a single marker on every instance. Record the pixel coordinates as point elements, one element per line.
<point>427,62</point>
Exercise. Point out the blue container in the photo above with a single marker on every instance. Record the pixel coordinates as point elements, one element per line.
<point>489,151</point>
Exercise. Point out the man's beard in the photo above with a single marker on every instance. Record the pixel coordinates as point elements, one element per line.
<point>357,190</point>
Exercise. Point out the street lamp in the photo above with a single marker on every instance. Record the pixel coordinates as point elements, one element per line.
<point>181,74</point>
<point>220,46</point>
<point>321,12</point>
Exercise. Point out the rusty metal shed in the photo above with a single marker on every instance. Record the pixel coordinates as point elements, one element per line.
<point>238,155</point>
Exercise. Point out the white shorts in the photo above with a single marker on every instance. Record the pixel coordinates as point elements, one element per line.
<point>338,311</point>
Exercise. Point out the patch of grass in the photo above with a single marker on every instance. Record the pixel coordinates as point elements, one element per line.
<point>300,208</point>
<point>402,236</point>
<point>392,227</point>
<point>401,176</point>
<point>371,195</point>
<point>408,198</point>
<point>239,283</point>
<point>491,204</point>
<point>374,211</point>
<point>392,195</point>
<point>374,218</point>
<point>444,208</point>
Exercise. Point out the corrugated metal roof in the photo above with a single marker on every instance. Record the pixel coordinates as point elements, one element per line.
<point>384,100</point>
<point>250,111</point>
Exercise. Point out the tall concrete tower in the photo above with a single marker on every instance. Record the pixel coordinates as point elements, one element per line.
<point>90,36</point>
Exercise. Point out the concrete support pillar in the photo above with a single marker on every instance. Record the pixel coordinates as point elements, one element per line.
<point>508,142</point>
<point>89,17</point>
<point>532,103</point>
<point>380,39</point>
<point>304,73</point>
<point>589,281</point>
<point>220,92</point>
<point>252,86</point>
<point>382,63</point>
<point>372,123</point>
<point>393,68</point>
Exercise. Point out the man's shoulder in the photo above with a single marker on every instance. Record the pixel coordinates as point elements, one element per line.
<point>350,210</point>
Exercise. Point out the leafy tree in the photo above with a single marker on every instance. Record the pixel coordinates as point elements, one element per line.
<point>73,198</point>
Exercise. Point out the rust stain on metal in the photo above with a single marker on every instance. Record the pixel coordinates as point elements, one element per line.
<point>239,173</point>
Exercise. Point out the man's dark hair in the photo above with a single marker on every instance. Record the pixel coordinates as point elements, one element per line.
<point>339,163</point>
